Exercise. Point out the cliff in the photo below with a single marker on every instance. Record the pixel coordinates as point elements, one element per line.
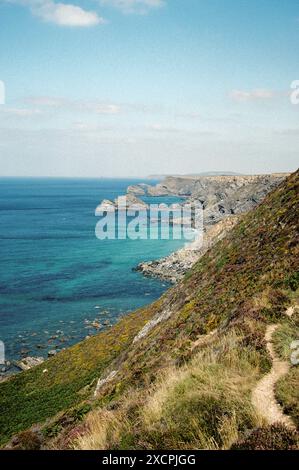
<point>220,195</point>
<point>224,199</point>
<point>182,372</point>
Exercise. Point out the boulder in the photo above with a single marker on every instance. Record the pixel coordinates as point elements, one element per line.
<point>29,362</point>
<point>52,353</point>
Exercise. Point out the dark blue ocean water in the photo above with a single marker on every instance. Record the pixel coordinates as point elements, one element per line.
<point>55,275</point>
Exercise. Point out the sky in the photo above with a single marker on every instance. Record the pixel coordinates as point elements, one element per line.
<point>115,88</point>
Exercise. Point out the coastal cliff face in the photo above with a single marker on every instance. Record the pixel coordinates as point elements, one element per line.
<point>219,195</point>
<point>205,185</point>
<point>180,373</point>
<point>224,199</point>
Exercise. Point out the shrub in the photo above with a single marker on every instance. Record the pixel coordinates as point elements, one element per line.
<point>28,440</point>
<point>274,437</point>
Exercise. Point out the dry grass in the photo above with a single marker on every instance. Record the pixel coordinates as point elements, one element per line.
<point>103,426</point>
<point>204,404</point>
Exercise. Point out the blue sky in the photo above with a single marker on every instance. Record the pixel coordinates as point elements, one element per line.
<point>135,87</point>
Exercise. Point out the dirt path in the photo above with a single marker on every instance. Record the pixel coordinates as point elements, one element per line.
<point>263,396</point>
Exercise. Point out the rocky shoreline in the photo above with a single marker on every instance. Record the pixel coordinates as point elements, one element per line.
<point>50,344</point>
<point>223,198</point>
<point>173,267</point>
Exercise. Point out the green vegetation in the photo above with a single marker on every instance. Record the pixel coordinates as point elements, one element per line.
<point>287,389</point>
<point>33,396</point>
<point>187,383</point>
<point>204,404</point>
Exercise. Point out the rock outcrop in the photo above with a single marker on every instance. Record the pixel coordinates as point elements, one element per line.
<point>213,189</point>
<point>207,185</point>
<point>121,203</point>
<point>130,202</point>
<point>147,190</point>
<point>105,206</point>
<point>28,362</point>
<point>137,190</point>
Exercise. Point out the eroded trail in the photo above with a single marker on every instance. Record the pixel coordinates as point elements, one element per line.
<point>263,396</point>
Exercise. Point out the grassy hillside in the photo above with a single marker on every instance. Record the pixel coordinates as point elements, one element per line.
<point>187,382</point>
<point>33,396</point>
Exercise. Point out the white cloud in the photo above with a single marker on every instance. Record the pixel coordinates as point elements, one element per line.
<point>46,101</point>
<point>134,6</point>
<point>20,112</point>
<point>101,108</point>
<point>62,14</point>
<point>164,129</point>
<point>253,95</point>
<point>291,132</point>
<point>95,106</point>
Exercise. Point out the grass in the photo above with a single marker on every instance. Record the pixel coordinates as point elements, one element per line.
<point>33,396</point>
<point>204,404</point>
<point>287,389</point>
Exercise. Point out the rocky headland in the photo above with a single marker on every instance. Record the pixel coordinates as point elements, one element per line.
<point>129,201</point>
<point>223,198</point>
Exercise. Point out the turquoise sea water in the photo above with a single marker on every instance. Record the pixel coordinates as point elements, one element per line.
<point>55,275</point>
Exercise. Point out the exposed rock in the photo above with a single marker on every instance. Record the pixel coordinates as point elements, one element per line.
<point>143,189</point>
<point>96,325</point>
<point>137,190</point>
<point>52,353</point>
<point>173,267</point>
<point>213,190</point>
<point>130,201</point>
<point>125,202</point>
<point>222,199</point>
<point>158,318</point>
<point>207,186</point>
<point>29,362</point>
<point>105,206</point>
<point>102,382</point>
<point>157,191</point>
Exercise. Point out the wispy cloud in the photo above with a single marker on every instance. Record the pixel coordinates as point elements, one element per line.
<point>96,106</point>
<point>47,101</point>
<point>140,7</point>
<point>20,112</point>
<point>62,14</point>
<point>252,95</point>
<point>291,132</point>
<point>164,129</point>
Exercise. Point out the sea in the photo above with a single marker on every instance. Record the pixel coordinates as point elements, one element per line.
<point>58,282</point>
